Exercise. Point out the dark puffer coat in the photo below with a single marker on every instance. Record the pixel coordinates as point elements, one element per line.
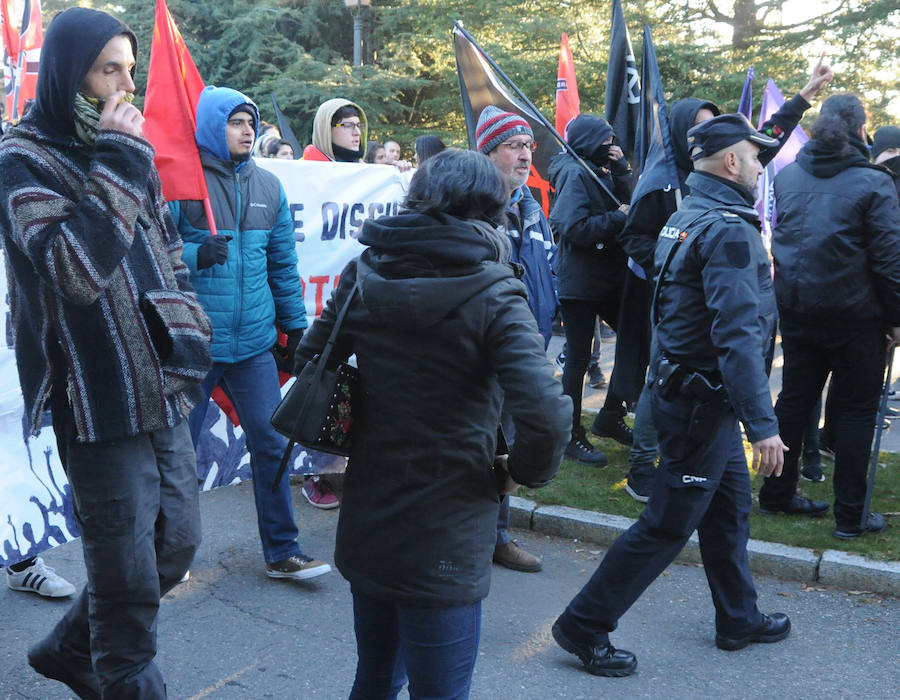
<point>836,242</point>
<point>443,335</point>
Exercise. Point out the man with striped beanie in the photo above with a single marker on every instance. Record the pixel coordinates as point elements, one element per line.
<point>508,140</point>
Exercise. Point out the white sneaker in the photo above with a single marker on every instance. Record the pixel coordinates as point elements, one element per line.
<point>41,579</point>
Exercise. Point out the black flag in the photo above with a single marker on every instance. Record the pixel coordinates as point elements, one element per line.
<point>653,149</point>
<point>286,133</point>
<point>623,85</point>
<point>480,85</point>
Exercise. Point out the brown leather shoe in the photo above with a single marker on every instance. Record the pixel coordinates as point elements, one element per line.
<point>514,557</point>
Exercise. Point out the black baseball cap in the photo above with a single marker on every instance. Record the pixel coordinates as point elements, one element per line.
<point>720,132</point>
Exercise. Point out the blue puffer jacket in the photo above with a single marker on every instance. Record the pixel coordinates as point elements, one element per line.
<point>533,248</point>
<point>258,285</point>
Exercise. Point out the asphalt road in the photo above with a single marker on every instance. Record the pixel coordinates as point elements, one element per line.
<point>230,633</point>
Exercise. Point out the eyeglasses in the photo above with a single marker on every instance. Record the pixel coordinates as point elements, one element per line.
<point>520,145</point>
<point>350,126</point>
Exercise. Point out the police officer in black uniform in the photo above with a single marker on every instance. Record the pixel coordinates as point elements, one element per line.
<point>714,312</point>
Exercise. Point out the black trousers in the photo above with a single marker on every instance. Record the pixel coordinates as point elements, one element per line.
<point>578,322</point>
<point>700,485</point>
<point>137,506</point>
<point>855,357</point>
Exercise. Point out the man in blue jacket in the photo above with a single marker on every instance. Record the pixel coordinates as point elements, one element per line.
<point>507,139</point>
<point>246,278</point>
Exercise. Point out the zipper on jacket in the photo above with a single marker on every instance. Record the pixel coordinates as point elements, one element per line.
<point>240,266</point>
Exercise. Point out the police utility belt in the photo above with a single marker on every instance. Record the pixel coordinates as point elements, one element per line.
<point>709,400</point>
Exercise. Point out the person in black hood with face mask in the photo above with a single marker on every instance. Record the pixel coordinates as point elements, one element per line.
<point>591,264</point>
<point>836,247</point>
<point>886,151</point>
<point>638,238</point>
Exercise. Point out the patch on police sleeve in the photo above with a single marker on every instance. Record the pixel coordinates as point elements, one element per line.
<point>738,254</point>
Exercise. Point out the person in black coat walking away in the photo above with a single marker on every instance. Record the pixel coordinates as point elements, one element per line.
<point>591,265</point>
<point>443,336</point>
<point>836,247</point>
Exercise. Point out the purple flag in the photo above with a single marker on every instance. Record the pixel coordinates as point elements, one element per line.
<point>771,102</point>
<point>746,105</point>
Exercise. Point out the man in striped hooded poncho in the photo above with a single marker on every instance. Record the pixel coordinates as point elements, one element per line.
<point>109,336</point>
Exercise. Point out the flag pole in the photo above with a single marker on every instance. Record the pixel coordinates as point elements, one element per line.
<point>536,112</point>
<point>210,219</point>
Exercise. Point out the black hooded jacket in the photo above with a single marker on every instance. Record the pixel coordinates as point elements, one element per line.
<point>892,165</point>
<point>647,216</point>
<point>836,242</point>
<point>591,264</point>
<point>443,335</point>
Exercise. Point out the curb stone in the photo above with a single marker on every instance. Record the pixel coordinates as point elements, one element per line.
<point>839,569</point>
<point>854,572</point>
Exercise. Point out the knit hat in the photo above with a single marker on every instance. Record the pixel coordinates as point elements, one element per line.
<point>496,126</point>
<point>246,107</point>
<point>886,137</point>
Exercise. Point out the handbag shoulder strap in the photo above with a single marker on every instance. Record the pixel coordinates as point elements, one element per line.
<point>326,351</point>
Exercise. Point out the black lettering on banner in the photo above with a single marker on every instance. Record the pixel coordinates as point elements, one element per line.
<point>296,210</point>
<point>344,211</point>
<point>331,214</point>
<point>375,209</point>
<point>357,216</point>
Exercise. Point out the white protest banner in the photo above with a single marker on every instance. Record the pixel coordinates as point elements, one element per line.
<point>329,203</point>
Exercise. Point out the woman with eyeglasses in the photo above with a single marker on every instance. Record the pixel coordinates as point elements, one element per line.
<point>443,336</point>
<point>339,132</point>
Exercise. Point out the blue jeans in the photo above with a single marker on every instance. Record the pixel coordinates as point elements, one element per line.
<point>645,446</point>
<point>252,385</point>
<point>434,648</point>
<point>503,535</point>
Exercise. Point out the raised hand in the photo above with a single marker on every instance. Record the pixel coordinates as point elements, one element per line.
<point>118,115</point>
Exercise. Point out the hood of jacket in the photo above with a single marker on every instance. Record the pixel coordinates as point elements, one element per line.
<point>822,160</point>
<point>213,108</point>
<point>321,135</point>
<point>72,42</point>
<point>682,116</point>
<point>419,268</point>
<point>586,136</point>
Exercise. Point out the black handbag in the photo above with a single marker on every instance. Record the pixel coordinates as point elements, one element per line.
<point>317,411</point>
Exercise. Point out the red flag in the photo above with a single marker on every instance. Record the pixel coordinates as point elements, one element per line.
<point>173,88</point>
<point>568,106</point>
<point>21,55</point>
<point>170,123</point>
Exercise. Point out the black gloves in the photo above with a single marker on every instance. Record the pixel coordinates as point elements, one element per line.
<point>213,251</point>
<point>293,340</point>
<point>284,355</point>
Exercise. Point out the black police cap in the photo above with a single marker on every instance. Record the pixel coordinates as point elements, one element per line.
<point>720,132</point>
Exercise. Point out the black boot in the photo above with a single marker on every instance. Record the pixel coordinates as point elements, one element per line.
<point>612,424</point>
<point>581,450</point>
